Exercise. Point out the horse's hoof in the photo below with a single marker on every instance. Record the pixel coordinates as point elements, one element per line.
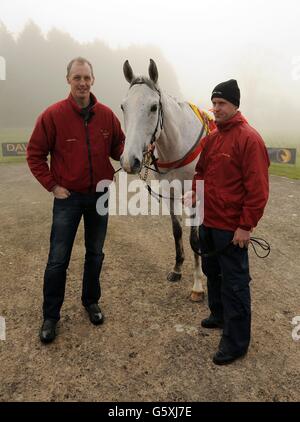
<point>174,276</point>
<point>197,296</point>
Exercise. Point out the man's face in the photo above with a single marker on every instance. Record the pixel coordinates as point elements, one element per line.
<point>223,110</point>
<point>80,79</point>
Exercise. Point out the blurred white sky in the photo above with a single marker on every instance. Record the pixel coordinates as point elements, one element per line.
<point>199,38</point>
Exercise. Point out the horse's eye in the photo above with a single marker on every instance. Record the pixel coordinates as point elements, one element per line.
<point>122,108</point>
<point>154,108</point>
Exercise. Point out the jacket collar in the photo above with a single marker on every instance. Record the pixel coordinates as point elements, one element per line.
<point>75,106</point>
<point>237,119</point>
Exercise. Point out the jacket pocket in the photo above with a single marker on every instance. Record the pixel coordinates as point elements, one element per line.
<point>241,303</point>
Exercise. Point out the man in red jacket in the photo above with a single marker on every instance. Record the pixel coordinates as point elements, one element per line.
<point>80,134</point>
<point>234,166</point>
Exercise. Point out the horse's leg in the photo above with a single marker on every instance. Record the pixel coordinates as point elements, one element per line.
<point>197,294</point>
<point>175,275</point>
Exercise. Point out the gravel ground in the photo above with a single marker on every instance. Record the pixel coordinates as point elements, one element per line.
<point>151,347</point>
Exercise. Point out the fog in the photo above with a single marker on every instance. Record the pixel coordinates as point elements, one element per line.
<point>196,45</point>
<point>36,67</point>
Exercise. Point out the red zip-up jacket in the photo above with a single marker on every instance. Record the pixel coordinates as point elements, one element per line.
<point>79,150</point>
<point>234,166</point>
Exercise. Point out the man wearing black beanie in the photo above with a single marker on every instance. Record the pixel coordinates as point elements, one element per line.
<point>234,166</point>
<point>228,90</point>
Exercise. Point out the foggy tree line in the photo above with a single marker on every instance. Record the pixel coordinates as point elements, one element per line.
<point>36,71</point>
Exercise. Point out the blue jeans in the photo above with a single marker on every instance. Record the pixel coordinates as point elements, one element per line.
<point>67,214</point>
<point>228,288</point>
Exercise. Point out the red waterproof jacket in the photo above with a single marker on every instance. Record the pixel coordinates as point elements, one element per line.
<point>79,149</point>
<point>234,166</point>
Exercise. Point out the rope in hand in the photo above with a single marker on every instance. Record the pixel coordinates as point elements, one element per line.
<point>265,246</point>
<point>254,242</point>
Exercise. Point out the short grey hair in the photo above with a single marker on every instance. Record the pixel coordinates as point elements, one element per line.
<point>80,60</point>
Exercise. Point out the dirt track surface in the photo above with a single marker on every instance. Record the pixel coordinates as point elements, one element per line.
<point>151,347</point>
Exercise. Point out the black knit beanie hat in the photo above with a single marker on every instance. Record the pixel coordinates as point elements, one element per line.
<point>228,90</point>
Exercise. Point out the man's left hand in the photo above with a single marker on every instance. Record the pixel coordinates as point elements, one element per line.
<point>241,237</point>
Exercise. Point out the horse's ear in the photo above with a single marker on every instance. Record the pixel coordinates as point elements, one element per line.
<point>153,72</point>
<point>128,72</point>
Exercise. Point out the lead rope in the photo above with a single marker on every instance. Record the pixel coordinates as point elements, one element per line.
<point>265,246</point>
<point>253,242</point>
<point>148,160</point>
<point>146,167</point>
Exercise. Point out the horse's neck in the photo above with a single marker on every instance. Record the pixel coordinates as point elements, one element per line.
<point>180,130</point>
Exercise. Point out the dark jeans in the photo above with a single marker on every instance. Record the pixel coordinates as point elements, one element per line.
<point>228,288</point>
<point>67,214</point>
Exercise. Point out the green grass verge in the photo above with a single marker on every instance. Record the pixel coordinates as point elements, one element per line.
<point>288,140</point>
<point>286,170</point>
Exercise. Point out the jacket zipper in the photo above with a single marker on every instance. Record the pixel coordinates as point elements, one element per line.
<point>89,155</point>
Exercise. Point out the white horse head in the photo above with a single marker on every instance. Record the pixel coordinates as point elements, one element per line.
<point>141,109</point>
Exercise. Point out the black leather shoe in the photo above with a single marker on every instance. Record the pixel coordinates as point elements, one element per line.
<point>95,314</point>
<point>224,358</point>
<point>48,331</point>
<point>211,322</point>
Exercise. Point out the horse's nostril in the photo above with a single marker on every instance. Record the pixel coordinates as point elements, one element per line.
<point>136,164</point>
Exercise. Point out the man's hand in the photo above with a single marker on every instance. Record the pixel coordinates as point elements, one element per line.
<point>241,237</point>
<point>189,199</point>
<point>60,193</point>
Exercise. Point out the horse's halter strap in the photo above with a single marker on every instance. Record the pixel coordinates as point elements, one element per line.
<point>160,120</point>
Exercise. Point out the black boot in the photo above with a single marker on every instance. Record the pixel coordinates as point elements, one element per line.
<point>224,358</point>
<point>95,314</point>
<point>211,322</point>
<point>48,331</point>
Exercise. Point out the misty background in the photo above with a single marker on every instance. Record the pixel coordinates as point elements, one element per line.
<point>36,68</point>
<point>195,44</point>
